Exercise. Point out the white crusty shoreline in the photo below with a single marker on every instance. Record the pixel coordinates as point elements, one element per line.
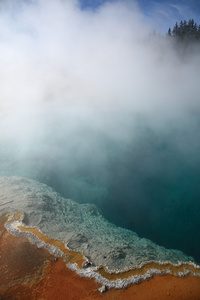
<point>91,271</point>
<point>81,227</point>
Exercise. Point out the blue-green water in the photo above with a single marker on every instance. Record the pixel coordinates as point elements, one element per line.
<point>147,182</point>
<point>96,107</point>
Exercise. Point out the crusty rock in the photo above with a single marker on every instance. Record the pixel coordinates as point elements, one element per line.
<point>80,226</point>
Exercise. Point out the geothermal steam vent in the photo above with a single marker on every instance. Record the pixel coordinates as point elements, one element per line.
<point>96,109</point>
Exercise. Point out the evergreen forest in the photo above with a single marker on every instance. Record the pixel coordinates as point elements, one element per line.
<point>185,31</point>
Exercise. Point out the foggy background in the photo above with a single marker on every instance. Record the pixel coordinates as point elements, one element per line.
<point>94,105</point>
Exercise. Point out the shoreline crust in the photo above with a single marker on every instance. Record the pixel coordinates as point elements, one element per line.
<point>82,227</point>
<point>109,279</point>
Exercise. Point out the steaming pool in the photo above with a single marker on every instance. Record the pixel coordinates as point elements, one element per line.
<point>99,137</point>
<point>134,198</point>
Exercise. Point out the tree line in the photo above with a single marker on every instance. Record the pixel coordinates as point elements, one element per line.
<point>185,31</point>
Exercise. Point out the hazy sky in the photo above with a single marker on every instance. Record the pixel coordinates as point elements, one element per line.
<point>55,55</point>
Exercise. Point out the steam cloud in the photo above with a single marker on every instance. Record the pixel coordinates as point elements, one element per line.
<point>91,94</point>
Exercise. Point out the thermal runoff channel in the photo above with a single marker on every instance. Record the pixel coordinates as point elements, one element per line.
<point>105,112</point>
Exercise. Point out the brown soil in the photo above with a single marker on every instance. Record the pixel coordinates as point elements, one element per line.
<point>27,272</point>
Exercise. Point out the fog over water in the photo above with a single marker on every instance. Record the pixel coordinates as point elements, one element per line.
<point>94,105</point>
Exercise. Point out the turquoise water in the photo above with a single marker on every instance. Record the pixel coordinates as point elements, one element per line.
<point>80,226</point>
<point>147,181</point>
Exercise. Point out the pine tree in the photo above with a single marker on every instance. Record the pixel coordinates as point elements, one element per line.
<point>169,31</point>
<point>198,33</point>
<point>195,31</point>
<point>181,29</point>
<point>175,29</point>
<point>191,28</point>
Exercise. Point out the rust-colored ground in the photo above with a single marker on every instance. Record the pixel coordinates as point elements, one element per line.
<point>27,273</point>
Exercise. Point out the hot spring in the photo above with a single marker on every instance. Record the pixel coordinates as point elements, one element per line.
<point>95,107</point>
<point>146,180</point>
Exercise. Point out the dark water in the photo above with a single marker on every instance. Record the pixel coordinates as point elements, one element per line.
<point>149,184</point>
